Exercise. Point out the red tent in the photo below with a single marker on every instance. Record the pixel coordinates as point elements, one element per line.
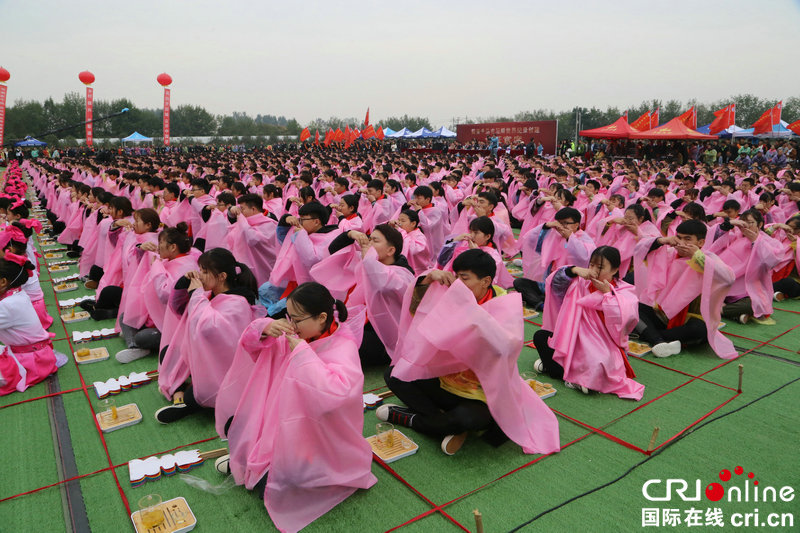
<point>674,129</point>
<point>618,130</point>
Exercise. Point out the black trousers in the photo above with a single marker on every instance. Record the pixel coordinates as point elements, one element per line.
<point>655,329</point>
<point>531,294</point>
<point>437,412</point>
<point>551,368</point>
<point>788,286</point>
<point>372,352</point>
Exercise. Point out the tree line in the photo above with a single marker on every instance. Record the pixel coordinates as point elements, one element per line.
<point>28,117</point>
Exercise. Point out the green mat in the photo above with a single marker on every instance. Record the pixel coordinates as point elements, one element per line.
<point>430,491</point>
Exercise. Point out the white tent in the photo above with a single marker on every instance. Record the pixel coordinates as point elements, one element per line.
<point>779,131</point>
<point>444,132</point>
<point>422,132</point>
<point>405,132</point>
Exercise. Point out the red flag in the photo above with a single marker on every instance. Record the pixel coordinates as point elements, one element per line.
<point>316,137</point>
<point>795,126</point>
<point>351,137</point>
<point>305,134</point>
<point>368,132</point>
<point>689,118</point>
<point>625,115</point>
<point>725,119</point>
<point>654,118</point>
<point>366,119</point>
<point>338,135</point>
<point>380,135</point>
<point>329,137</point>
<point>642,123</point>
<point>356,133</point>
<point>769,118</point>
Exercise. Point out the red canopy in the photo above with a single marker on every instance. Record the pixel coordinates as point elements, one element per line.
<point>674,129</point>
<point>618,130</point>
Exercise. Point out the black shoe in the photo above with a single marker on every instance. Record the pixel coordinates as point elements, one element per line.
<point>399,416</point>
<point>88,305</point>
<point>103,314</point>
<point>73,254</point>
<point>172,413</point>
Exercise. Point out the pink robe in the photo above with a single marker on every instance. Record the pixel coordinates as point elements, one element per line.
<point>417,251</point>
<point>433,222</point>
<point>623,240</point>
<point>254,242</point>
<point>590,347</point>
<point>216,230</point>
<point>501,277</point>
<point>451,333</point>
<point>204,344</point>
<point>375,213</point>
<point>287,407</point>
<point>299,252</point>
<point>22,332</point>
<point>752,264</point>
<point>664,278</point>
<point>541,259</point>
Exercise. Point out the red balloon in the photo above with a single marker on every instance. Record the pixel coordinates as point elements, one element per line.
<point>86,77</point>
<point>164,79</point>
<point>4,75</point>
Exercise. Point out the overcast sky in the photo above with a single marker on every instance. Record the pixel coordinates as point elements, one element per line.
<point>440,59</point>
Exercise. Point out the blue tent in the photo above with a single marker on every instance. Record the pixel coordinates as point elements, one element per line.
<point>388,131</point>
<point>30,141</point>
<point>137,137</point>
<point>444,132</point>
<point>422,132</point>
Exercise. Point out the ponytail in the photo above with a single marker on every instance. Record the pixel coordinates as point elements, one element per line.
<point>238,275</point>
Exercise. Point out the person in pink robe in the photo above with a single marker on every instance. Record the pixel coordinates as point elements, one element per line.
<point>18,243</point>
<point>375,207</point>
<point>370,271</point>
<point>305,241</point>
<point>624,232</point>
<point>348,218</point>
<point>216,223</point>
<point>548,247</point>
<point>216,303</point>
<point>681,290</point>
<point>300,377</point>
<point>588,315</point>
<point>785,274</point>
<point>415,244</point>
<point>455,368</point>
<point>481,237</point>
<point>31,357</point>
<point>752,255</point>
<point>485,203</point>
<point>253,237</point>
<point>149,321</point>
<point>108,231</point>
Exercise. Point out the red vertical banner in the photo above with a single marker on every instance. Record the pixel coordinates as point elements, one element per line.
<point>3,90</point>
<point>89,108</point>
<point>166,116</point>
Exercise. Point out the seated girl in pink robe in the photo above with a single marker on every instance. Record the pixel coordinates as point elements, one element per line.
<point>295,387</point>
<point>217,303</point>
<point>786,274</point>
<point>588,315</point>
<point>349,219</point>
<point>624,232</point>
<point>31,358</point>
<point>18,244</point>
<point>415,244</point>
<point>480,236</point>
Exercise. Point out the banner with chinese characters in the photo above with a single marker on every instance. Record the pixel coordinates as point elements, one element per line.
<point>89,109</point>
<point>166,116</point>
<point>541,131</point>
<point>3,90</point>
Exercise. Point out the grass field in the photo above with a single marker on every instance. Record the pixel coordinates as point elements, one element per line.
<point>595,483</point>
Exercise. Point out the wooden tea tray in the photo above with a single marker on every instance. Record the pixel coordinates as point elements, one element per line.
<point>127,415</point>
<point>66,287</point>
<point>403,447</point>
<point>95,355</point>
<point>544,390</point>
<point>178,518</point>
<point>49,255</point>
<point>79,316</point>
<point>638,348</point>
<point>57,268</point>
